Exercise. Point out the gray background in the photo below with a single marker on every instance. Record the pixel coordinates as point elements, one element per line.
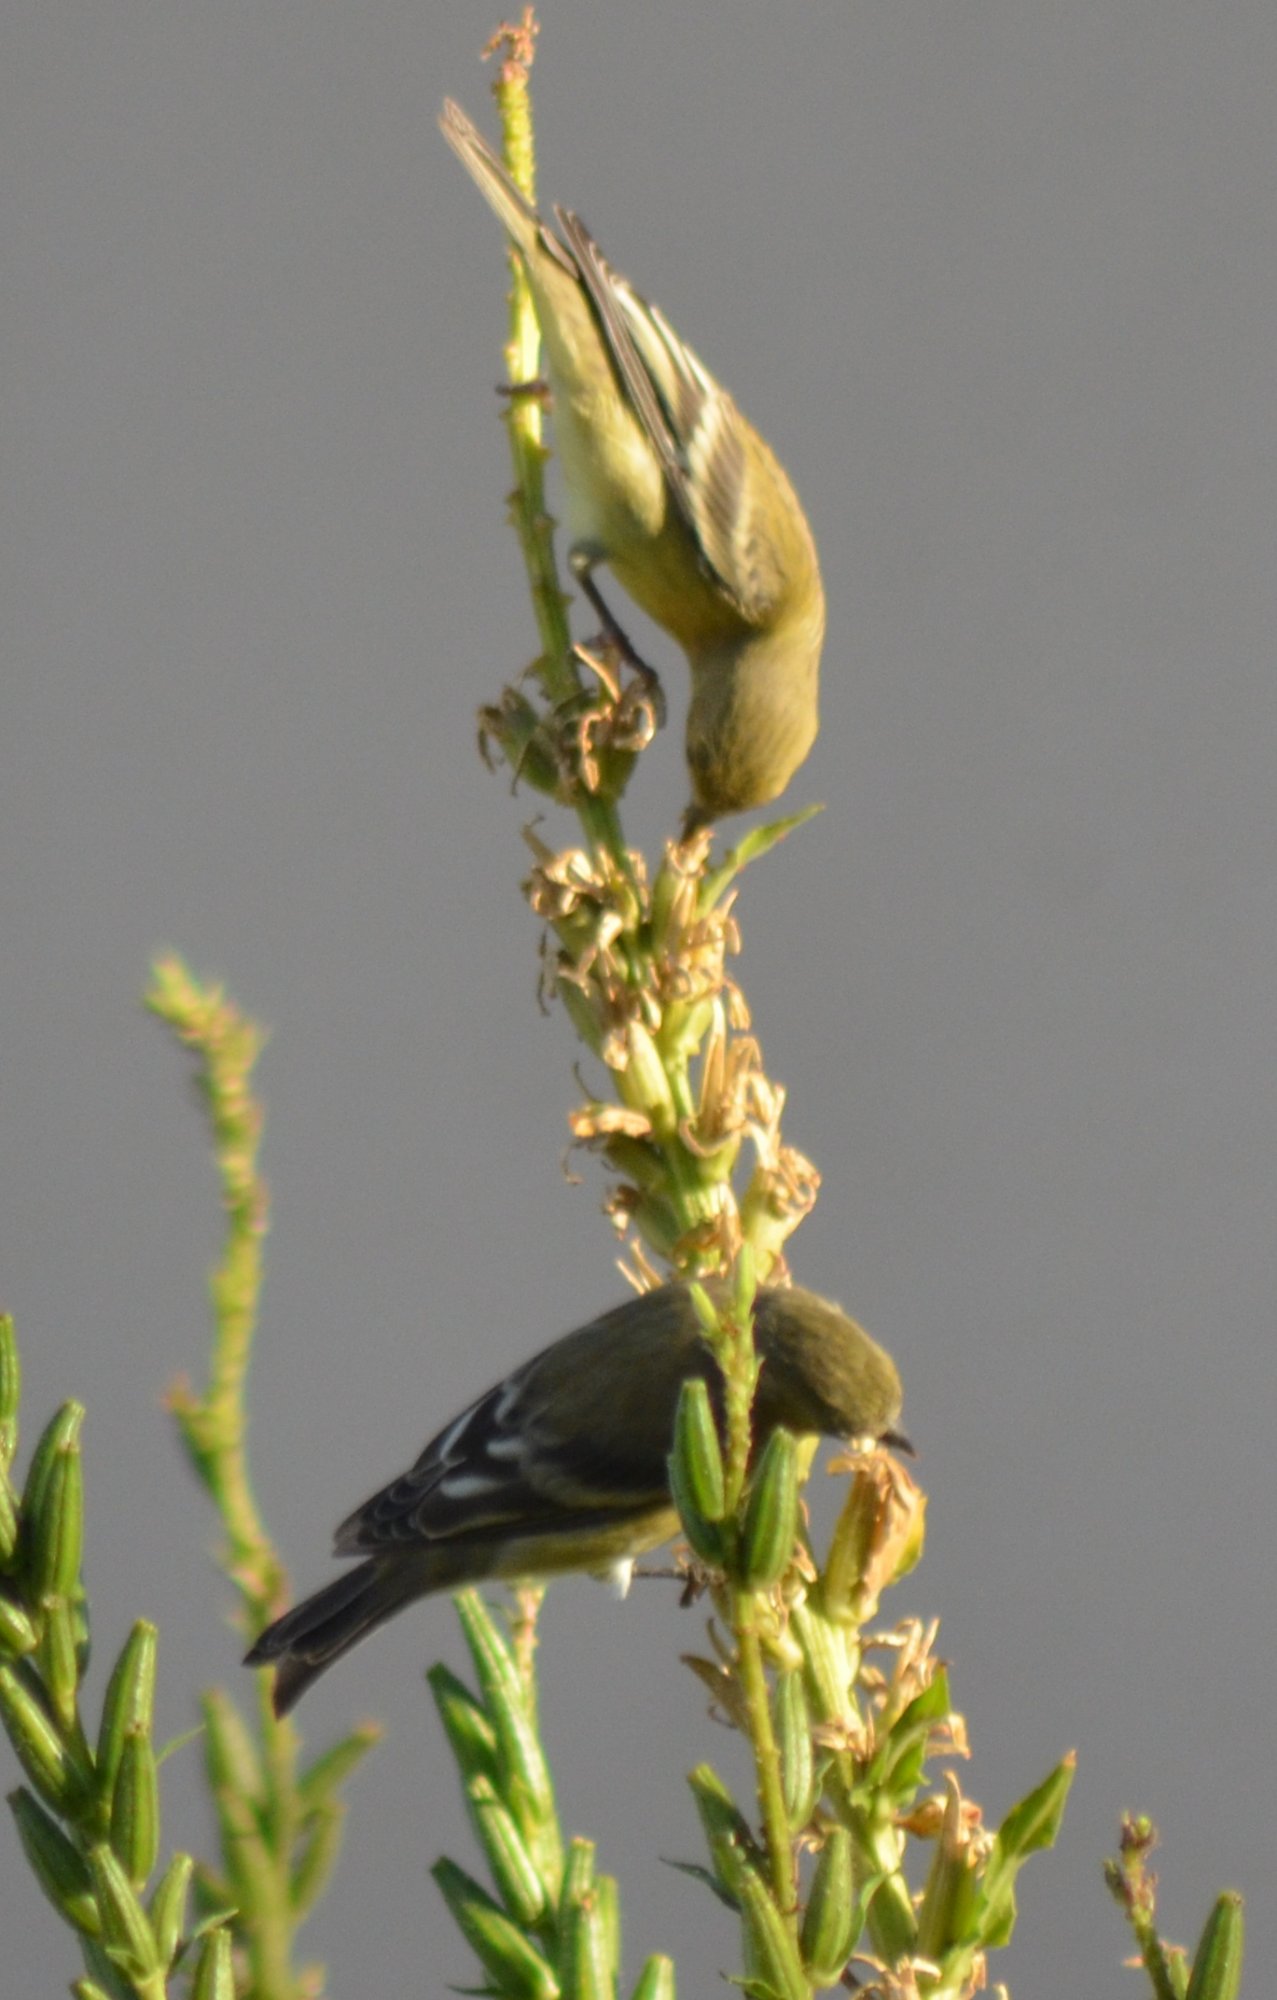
<point>998,281</point>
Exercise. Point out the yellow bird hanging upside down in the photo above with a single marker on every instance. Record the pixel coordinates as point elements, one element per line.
<point>670,486</point>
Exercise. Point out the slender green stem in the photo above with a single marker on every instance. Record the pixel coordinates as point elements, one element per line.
<point>533,522</point>
<point>762,1737</point>
<point>226,1045</point>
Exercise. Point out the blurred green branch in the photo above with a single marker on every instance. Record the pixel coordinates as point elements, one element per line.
<point>280,1825</point>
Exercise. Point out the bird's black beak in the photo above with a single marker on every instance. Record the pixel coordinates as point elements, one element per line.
<point>897,1441</point>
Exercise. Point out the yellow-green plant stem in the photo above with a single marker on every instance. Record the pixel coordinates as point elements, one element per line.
<point>226,1045</point>
<point>762,1736</point>
<point>691,1198</point>
<point>532,520</point>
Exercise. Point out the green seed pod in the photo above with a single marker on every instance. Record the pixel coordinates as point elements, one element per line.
<point>17,1633</point>
<point>46,1446</point>
<point>829,1921</point>
<point>524,1781</point>
<point>126,1928</point>
<point>168,1906</point>
<point>214,1978</point>
<point>696,1473</point>
<point>10,1392</point>
<point>58,1866</point>
<point>578,1874</point>
<point>793,1737</point>
<point>950,1883</point>
<point>105,1976</point>
<point>48,1762</point>
<point>515,1966</point>
<point>135,1808</point>
<point>771,1516</point>
<point>589,1928</point>
<point>643,1085</point>
<point>471,1737</point>
<point>656,1980</point>
<point>127,1703</point>
<point>585,1966</point>
<point>771,1954</point>
<point>513,1870</point>
<point>607,1910</point>
<point>53,1507</point>
<point>59,1666</point>
<point>725,1827</point>
<point>697,1450</point>
<point>1217,1962</point>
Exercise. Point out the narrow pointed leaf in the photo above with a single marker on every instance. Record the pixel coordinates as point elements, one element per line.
<point>321,1846</point>
<point>989,1901</point>
<point>751,847</point>
<point>230,1754</point>
<point>331,1771</point>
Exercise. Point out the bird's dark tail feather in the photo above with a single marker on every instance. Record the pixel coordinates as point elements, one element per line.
<point>307,1639</point>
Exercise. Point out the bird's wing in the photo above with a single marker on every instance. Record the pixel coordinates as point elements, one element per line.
<point>504,1464</point>
<point>698,434</point>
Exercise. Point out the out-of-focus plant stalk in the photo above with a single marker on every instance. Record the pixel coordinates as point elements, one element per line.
<point>226,1045</point>
<point>280,1826</point>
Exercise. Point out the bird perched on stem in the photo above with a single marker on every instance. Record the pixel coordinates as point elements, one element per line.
<point>670,486</point>
<point>565,1464</point>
